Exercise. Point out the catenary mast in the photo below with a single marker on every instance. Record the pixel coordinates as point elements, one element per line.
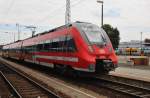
<point>68,12</point>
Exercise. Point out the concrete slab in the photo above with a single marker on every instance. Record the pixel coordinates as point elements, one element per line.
<point>133,72</point>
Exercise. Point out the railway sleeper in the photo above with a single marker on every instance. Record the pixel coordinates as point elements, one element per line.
<point>65,70</point>
<point>5,93</point>
<point>19,83</point>
<point>137,93</point>
<point>22,89</point>
<point>121,88</point>
<point>145,96</point>
<point>34,96</point>
<point>129,90</point>
<point>31,93</point>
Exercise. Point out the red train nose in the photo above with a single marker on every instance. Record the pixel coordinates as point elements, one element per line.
<point>103,51</point>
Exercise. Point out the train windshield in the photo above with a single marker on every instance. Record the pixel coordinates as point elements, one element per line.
<point>94,34</point>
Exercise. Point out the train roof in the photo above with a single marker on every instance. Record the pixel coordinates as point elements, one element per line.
<point>61,27</point>
<point>50,31</point>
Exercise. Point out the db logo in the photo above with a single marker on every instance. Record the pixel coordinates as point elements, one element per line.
<point>102,51</point>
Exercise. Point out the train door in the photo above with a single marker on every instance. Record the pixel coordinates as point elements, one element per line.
<point>22,54</point>
<point>34,49</point>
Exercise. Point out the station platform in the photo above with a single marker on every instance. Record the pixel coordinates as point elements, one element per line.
<point>134,60</point>
<point>134,72</point>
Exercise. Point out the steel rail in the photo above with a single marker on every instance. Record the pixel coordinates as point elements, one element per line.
<point>128,89</point>
<point>50,93</point>
<point>11,87</point>
<point>127,80</point>
<point>120,87</point>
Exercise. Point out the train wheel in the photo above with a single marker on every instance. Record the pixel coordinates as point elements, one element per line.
<point>70,72</point>
<point>61,69</point>
<point>56,68</point>
<point>65,70</point>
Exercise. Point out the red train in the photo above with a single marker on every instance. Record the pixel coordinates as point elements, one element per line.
<point>79,46</point>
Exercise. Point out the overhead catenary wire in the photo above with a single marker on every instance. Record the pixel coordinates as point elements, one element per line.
<point>10,7</point>
<point>73,4</point>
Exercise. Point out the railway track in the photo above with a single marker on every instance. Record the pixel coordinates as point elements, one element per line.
<point>22,86</point>
<point>117,85</point>
<point>4,89</point>
<point>127,88</point>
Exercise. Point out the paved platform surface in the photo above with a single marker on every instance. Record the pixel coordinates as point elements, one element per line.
<point>135,72</point>
<point>126,59</point>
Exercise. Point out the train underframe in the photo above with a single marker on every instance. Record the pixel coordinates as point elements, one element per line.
<point>104,66</point>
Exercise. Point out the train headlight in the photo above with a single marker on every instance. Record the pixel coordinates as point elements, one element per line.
<point>91,49</point>
<point>91,67</point>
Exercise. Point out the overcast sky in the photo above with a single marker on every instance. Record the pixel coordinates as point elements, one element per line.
<point>130,17</point>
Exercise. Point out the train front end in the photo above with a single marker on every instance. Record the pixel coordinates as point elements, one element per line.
<point>102,58</point>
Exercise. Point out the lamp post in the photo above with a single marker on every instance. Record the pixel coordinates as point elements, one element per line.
<point>18,29</point>
<point>99,1</point>
<point>141,42</point>
<point>32,28</point>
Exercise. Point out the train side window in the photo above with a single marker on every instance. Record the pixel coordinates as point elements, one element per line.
<point>24,49</point>
<point>65,45</point>
<point>61,43</point>
<point>70,44</point>
<point>34,48</point>
<point>50,45</point>
<point>47,45</point>
<point>55,44</point>
<point>40,47</point>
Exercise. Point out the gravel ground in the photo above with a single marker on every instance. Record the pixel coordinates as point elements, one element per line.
<point>4,91</point>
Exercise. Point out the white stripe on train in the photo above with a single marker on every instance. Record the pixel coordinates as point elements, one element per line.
<point>62,58</point>
<point>70,59</point>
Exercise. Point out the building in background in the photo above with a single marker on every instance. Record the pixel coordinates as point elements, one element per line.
<point>133,47</point>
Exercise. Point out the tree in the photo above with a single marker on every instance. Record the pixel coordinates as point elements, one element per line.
<point>113,34</point>
<point>147,41</point>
